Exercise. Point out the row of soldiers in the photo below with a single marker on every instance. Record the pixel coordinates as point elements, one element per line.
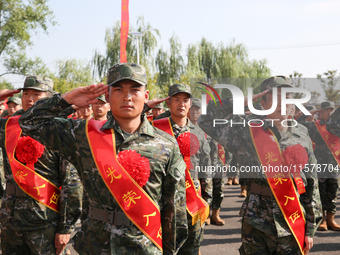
<point>140,178</point>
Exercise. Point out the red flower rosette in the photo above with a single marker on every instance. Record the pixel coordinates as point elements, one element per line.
<point>295,157</point>
<point>188,145</point>
<point>138,167</point>
<point>28,151</point>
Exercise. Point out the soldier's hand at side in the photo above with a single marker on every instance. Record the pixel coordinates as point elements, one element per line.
<point>7,93</point>
<point>60,242</point>
<point>153,102</point>
<point>309,244</point>
<point>84,96</point>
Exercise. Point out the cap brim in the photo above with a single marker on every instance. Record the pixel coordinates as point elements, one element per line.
<point>34,88</point>
<point>180,92</point>
<point>128,79</point>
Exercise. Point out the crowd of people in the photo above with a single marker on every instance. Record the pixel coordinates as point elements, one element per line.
<point>137,175</point>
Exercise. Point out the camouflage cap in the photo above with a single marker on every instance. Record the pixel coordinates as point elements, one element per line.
<point>38,83</point>
<point>327,104</point>
<point>102,98</point>
<point>126,71</point>
<point>15,100</point>
<point>275,82</point>
<point>310,107</point>
<point>179,88</point>
<point>159,106</point>
<point>196,102</point>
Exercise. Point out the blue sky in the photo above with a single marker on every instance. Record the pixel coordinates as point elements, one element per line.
<point>283,32</point>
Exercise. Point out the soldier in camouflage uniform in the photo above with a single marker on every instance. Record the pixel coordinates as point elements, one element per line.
<point>179,104</point>
<point>100,109</point>
<point>264,228</point>
<point>157,110</point>
<point>214,183</point>
<point>328,180</point>
<point>28,226</point>
<point>107,229</point>
<point>14,104</point>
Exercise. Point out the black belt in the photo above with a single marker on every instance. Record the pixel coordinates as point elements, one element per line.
<point>117,218</point>
<point>14,189</point>
<point>261,190</point>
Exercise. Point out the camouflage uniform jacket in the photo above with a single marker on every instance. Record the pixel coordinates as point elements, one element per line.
<point>202,157</point>
<point>322,153</point>
<point>25,213</point>
<point>166,184</point>
<point>333,123</point>
<point>263,212</point>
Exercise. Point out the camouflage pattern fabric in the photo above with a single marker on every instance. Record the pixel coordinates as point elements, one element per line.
<point>329,188</point>
<point>2,176</point>
<point>255,242</point>
<point>166,184</point>
<point>263,212</point>
<point>217,177</point>
<point>23,214</point>
<point>126,71</point>
<point>29,242</point>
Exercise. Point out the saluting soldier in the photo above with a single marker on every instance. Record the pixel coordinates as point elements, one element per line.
<point>100,109</point>
<point>325,150</point>
<point>42,200</point>
<point>133,173</point>
<point>272,220</point>
<point>196,152</point>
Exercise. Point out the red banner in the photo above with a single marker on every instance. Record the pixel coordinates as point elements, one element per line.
<point>124,30</point>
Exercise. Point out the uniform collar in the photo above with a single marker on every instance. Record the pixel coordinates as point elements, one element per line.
<point>188,125</point>
<point>293,130</point>
<point>144,129</point>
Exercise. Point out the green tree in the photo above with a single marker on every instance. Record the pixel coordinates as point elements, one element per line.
<point>18,63</point>
<point>71,74</point>
<point>19,19</point>
<point>298,82</point>
<point>169,65</point>
<point>5,85</point>
<point>147,45</point>
<point>329,84</point>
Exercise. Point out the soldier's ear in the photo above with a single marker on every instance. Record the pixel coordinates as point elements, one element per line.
<point>107,95</point>
<point>146,95</point>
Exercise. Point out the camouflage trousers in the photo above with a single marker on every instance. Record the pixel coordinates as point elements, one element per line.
<point>206,189</point>
<point>328,192</point>
<point>218,184</point>
<point>28,242</point>
<point>97,237</point>
<point>195,237</point>
<point>256,242</point>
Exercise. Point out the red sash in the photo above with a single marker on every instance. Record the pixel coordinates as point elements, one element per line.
<point>221,153</point>
<point>197,207</point>
<point>32,183</point>
<point>282,186</point>
<point>132,199</point>
<point>332,141</point>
